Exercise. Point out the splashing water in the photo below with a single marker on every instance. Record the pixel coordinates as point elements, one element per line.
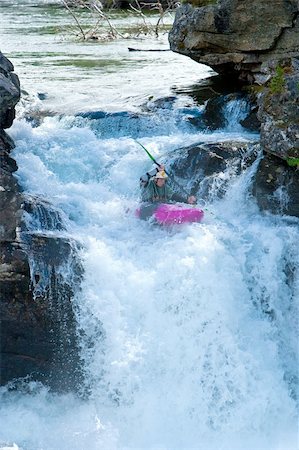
<point>190,334</point>
<point>235,111</point>
<point>192,343</point>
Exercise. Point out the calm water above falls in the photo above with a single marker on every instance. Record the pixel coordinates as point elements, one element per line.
<point>86,76</point>
<point>190,360</point>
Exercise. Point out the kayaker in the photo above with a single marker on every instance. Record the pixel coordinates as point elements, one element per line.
<point>155,188</point>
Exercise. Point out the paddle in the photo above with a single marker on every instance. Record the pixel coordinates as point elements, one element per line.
<point>171,177</point>
<point>167,173</point>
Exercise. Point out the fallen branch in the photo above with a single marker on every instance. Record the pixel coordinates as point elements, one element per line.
<point>75,18</point>
<point>148,50</point>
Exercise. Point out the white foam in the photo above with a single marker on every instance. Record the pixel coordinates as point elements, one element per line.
<point>194,329</point>
<point>185,356</point>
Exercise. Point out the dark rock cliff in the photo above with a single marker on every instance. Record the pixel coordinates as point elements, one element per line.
<point>38,275</point>
<point>256,43</point>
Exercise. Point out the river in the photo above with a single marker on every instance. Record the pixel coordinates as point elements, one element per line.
<point>189,359</point>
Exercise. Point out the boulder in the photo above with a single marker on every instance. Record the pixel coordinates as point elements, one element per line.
<point>229,110</point>
<point>38,327</point>
<point>275,186</point>
<point>211,166</point>
<point>234,36</point>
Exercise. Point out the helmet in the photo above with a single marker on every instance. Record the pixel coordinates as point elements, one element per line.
<point>161,174</point>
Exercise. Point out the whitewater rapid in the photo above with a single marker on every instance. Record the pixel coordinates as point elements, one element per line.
<point>194,329</point>
<point>190,334</point>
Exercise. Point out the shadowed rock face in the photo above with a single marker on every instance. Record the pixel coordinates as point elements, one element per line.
<point>38,275</point>
<point>38,327</point>
<point>235,36</point>
<point>9,92</point>
<point>275,187</point>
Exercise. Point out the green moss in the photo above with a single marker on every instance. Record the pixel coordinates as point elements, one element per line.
<point>199,3</point>
<point>281,124</point>
<point>293,162</point>
<point>277,83</point>
<point>254,89</point>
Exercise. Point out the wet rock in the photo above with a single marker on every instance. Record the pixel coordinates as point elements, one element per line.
<point>9,92</point>
<point>39,274</point>
<point>211,166</point>
<point>251,121</point>
<point>230,110</point>
<point>41,214</point>
<point>10,198</point>
<point>275,187</point>
<point>213,115</point>
<point>38,327</point>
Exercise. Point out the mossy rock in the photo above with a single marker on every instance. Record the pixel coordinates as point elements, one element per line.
<point>277,83</point>
<point>293,161</point>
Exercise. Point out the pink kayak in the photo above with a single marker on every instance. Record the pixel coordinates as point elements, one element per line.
<point>169,214</point>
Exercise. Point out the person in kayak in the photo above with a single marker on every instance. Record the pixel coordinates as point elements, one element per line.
<point>155,188</point>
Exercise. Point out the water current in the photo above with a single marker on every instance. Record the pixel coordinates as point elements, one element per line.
<point>197,347</point>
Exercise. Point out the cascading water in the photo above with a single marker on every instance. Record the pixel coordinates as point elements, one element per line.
<point>234,111</point>
<point>188,335</point>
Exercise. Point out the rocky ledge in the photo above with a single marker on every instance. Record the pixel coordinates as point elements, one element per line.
<point>237,37</point>
<point>38,327</point>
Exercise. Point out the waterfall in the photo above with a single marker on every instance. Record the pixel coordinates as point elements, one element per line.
<point>234,111</point>
<point>188,336</point>
<point>185,338</point>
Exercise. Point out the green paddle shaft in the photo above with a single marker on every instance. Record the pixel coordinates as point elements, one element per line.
<point>151,157</point>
